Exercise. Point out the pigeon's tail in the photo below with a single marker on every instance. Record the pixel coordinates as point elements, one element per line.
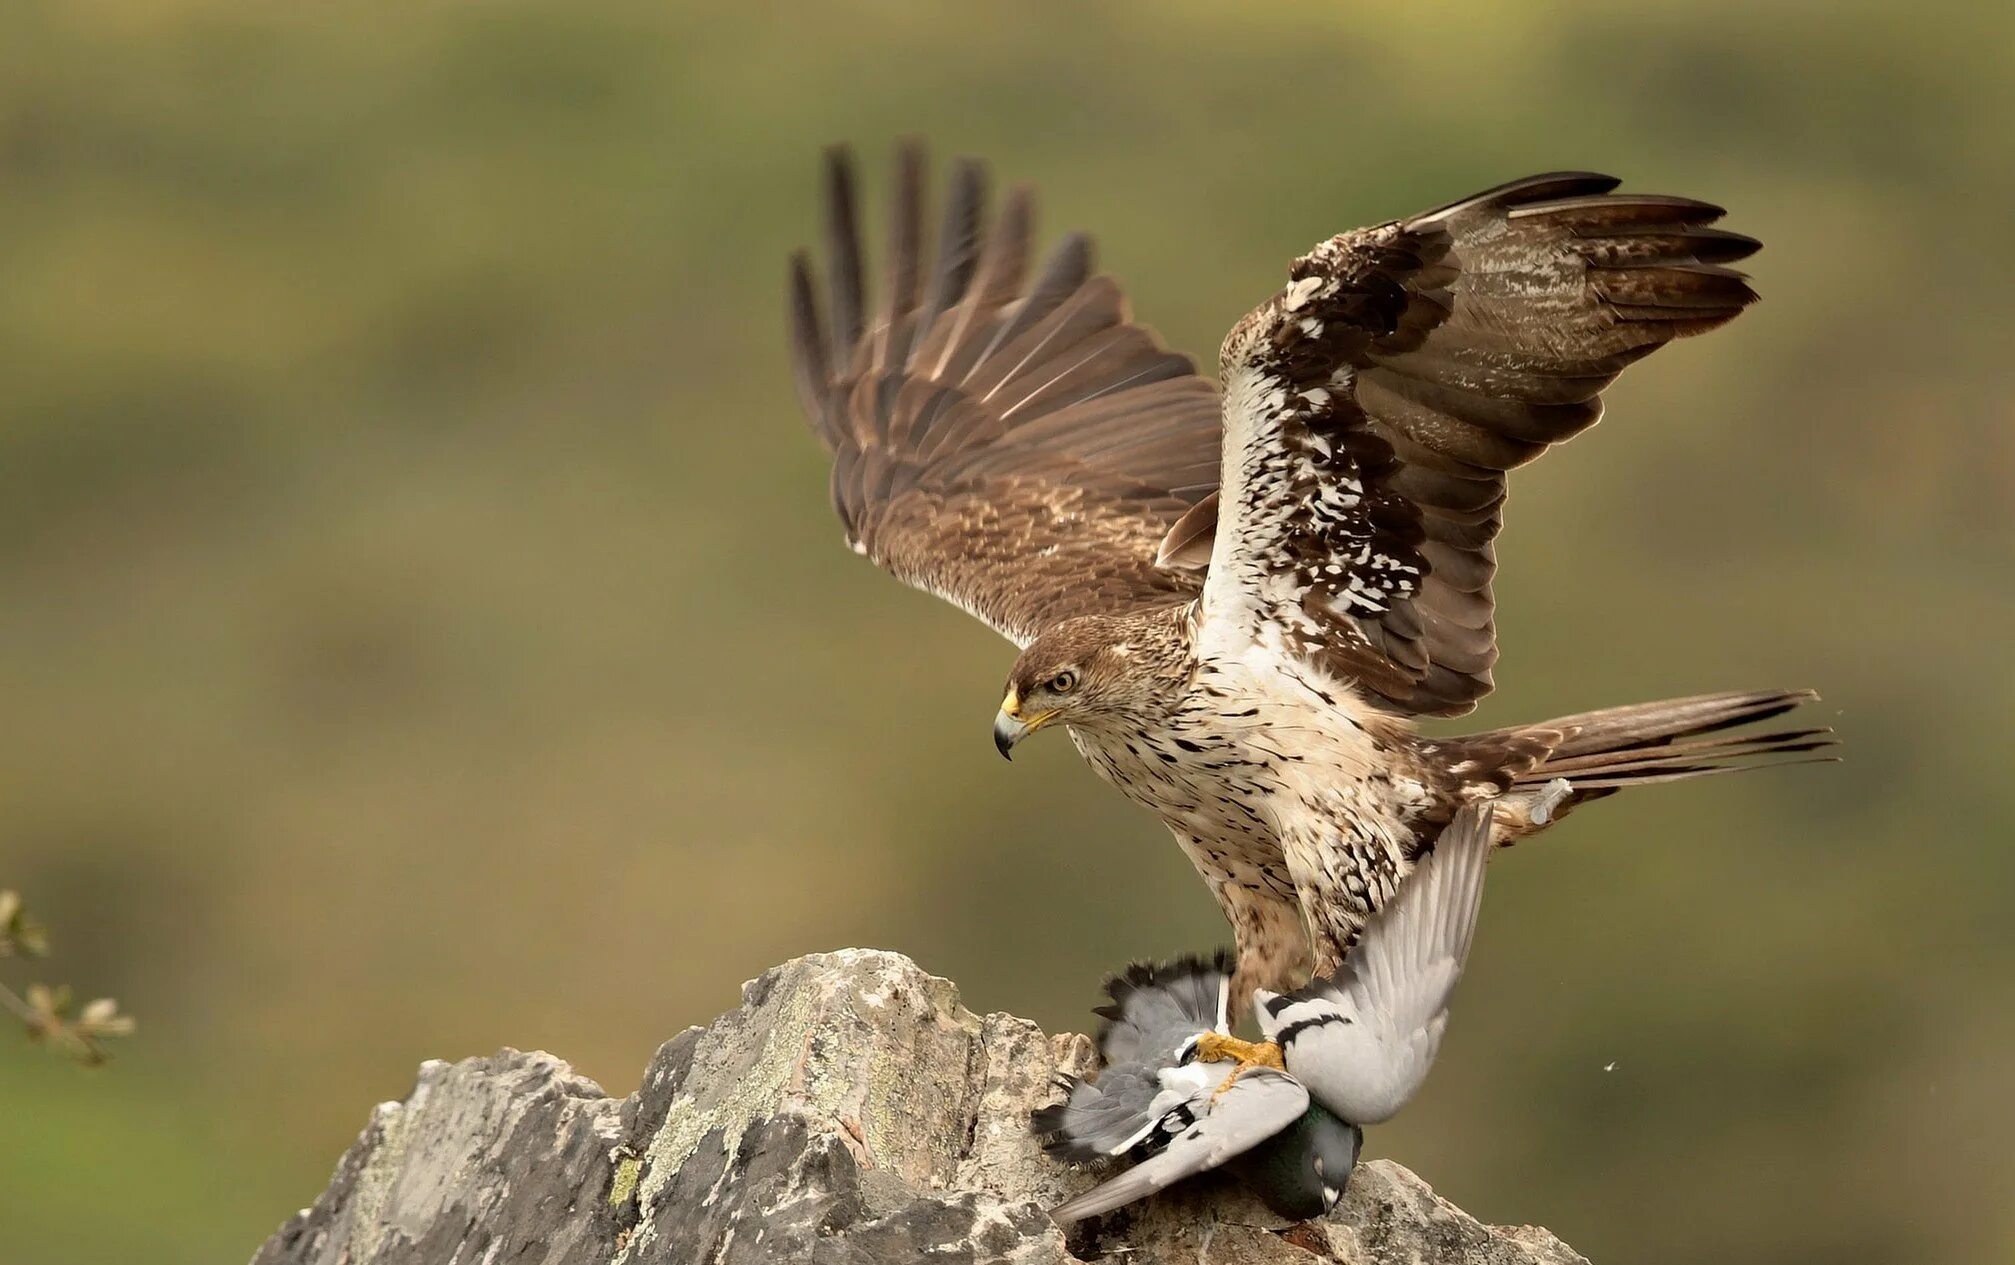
<point>1156,1014</point>
<point>1112,1115</point>
<point>1156,1006</point>
<point>1599,753</point>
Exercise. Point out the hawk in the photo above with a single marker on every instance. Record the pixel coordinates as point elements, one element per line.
<point>1240,597</point>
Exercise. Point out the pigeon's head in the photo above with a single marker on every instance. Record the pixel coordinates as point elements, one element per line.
<point>1333,1146</point>
<point>1088,672</point>
<point>1302,1172</point>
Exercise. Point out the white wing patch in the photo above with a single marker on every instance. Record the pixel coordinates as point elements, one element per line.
<point>1303,550</point>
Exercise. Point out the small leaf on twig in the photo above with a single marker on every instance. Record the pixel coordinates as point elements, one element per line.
<point>46,1012</point>
<point>20,935</point>
<point>46,1009</point>
<point>101,1018</point>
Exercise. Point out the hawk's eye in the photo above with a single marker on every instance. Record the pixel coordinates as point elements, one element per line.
<point>1063,682</point>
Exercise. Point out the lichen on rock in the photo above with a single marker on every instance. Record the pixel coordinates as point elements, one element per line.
<point>849,1112</point>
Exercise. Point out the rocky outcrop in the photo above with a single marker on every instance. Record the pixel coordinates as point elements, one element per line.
<point>851,1112</point>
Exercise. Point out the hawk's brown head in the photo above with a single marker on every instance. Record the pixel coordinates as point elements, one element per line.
<point>1085,671</point>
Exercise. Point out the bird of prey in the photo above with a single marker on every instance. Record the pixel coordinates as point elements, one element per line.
<point>1239,597</point>
<point>1341,1053</point>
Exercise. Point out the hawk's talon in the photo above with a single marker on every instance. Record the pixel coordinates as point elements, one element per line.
<point>1217,1047</point>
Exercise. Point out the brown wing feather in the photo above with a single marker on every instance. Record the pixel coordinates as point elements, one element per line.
<point>1016,447</point>
<point>1405,369</point>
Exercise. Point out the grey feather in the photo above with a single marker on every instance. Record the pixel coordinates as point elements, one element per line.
<point>1259,1105</point>
<point>1156,1007</point>
<point>1155,1014</point>
<point>1362,1041</point>
<point>1131,1106</point>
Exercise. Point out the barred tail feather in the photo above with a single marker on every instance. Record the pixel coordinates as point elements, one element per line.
<point>1671,741</point>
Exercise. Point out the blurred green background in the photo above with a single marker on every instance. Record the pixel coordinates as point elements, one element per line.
<point>423,629</point>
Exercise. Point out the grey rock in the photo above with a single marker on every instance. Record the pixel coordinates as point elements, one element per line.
<point>851,1112</point>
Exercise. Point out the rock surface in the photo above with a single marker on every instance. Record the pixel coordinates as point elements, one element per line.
<point>851,1112</point>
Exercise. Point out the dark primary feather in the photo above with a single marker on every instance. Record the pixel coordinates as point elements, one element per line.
<point>1447,349</point>
<point>1016,447</point>
<point>843,246</point>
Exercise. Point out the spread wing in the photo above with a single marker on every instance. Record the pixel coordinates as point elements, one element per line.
<point>1362,1040</point>
<point>1016,447</point>
<point>1373,407</point>
<point>1258,1105</point>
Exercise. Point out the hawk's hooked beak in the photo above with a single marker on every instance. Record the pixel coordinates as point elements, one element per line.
<point>1010,728</point>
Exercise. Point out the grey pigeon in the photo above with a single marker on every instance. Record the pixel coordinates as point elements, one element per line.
<point>1182,1096</point>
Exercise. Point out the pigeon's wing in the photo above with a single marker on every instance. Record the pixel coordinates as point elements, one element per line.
<point>1374,407</point>
<point>1260,1104</point>
<point>1156,1007</point>
<point>1362,1040</point>
<point>1131,1106</point>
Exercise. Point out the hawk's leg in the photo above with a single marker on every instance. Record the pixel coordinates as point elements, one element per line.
<point>1272,944</point>
<point>1259,902</point>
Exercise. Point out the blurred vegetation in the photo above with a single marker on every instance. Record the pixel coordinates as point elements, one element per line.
<point>51,1015</point>
<point>424,630</point>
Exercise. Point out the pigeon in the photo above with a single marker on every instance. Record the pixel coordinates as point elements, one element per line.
<point>1180,1095</point>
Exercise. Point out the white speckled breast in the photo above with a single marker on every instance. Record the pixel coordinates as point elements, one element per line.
<point>1268,769</point>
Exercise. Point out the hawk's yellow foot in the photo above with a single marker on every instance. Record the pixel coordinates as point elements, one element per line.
<point>1216,1047</point>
